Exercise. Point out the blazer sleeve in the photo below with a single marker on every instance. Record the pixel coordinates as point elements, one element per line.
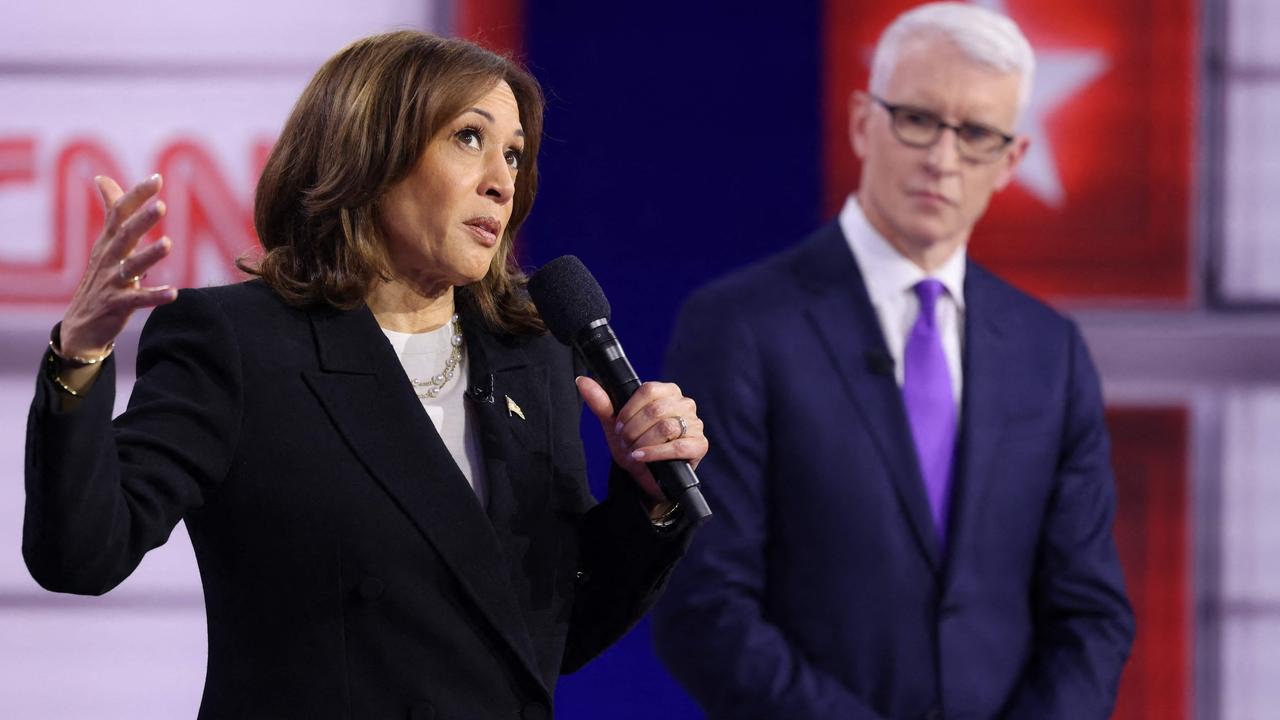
<point>623,561</point>
<point>1084,624</point>
<point>100,494</point>
<point>623,567</point>
<point>711,629</point>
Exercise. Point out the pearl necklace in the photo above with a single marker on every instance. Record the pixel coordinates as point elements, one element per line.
<point>437,382</point>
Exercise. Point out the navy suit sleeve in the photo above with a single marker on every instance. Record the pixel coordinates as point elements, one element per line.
<point>711,628</point>
<point>1084,624</point>
<point>101,494</point>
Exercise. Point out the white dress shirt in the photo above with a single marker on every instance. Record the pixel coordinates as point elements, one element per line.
<point>890,279</point>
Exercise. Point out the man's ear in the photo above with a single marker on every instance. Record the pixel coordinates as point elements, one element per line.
<point>1011,160</point>
<point>859,117</point>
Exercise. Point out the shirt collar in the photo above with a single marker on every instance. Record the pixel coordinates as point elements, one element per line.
<point>886,272</point>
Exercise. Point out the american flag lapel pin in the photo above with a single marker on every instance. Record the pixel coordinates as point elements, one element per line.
<point>513,408</point>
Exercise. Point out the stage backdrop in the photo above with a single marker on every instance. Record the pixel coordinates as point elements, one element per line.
<point>683,141</point>
<point>682,145</point>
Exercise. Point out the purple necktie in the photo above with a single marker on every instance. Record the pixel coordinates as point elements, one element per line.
<point>931,407</point>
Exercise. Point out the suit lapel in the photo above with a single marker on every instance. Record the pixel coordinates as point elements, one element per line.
<point>508,389</point>
<point>843,316</point>
<point>510,407</point>
<point>986,353</point>
<point>364,390</point>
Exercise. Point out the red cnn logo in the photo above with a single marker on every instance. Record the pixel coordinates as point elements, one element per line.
<point>208,222</point>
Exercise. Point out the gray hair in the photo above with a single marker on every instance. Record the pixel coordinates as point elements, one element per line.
<point>987,37</point>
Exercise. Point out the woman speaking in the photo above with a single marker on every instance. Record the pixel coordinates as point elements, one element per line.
<point>374,443</point>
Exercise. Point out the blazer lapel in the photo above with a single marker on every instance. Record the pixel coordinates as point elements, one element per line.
<point>510,406</point>
<point>364,390</point>
<point>843,316</point>
<point>986,352</point>
<point>508,395</point>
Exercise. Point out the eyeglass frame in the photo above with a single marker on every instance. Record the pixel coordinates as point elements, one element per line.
<point>893,110</point>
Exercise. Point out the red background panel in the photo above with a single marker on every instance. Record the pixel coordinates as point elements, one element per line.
<point>1122,145</point>
<point>495,24</point>
<point>1150,458</point>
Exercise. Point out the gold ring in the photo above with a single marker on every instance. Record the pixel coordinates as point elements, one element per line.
<point>125,280</point>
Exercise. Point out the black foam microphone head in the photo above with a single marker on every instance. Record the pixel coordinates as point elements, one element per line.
<point>568,297</point>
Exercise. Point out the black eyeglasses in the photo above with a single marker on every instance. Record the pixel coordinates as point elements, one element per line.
<point>921,128</point>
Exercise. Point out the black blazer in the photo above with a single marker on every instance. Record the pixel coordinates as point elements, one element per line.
<point>348,569</point>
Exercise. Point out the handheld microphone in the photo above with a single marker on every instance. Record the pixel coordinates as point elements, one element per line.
<point>576,312</point>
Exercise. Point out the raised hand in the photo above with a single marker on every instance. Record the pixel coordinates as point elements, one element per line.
<point>111,289</point>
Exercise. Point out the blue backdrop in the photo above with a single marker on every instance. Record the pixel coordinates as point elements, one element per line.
<point>678,145</point>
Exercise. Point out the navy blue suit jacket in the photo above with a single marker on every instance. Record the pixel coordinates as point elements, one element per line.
<point>819,589</point>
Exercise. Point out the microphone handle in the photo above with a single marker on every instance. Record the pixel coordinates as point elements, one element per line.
<point>600,350</point>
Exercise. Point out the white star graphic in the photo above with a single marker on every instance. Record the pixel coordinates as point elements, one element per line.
<point>1060,74</point>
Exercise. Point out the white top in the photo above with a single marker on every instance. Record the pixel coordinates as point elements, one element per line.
<point>890,278</point>
<point>423,355</point>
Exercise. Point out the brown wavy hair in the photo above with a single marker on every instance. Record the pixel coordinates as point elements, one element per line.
<point>360,127</point>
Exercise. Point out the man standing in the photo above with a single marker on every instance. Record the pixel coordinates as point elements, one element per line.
<point>912,479</point>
